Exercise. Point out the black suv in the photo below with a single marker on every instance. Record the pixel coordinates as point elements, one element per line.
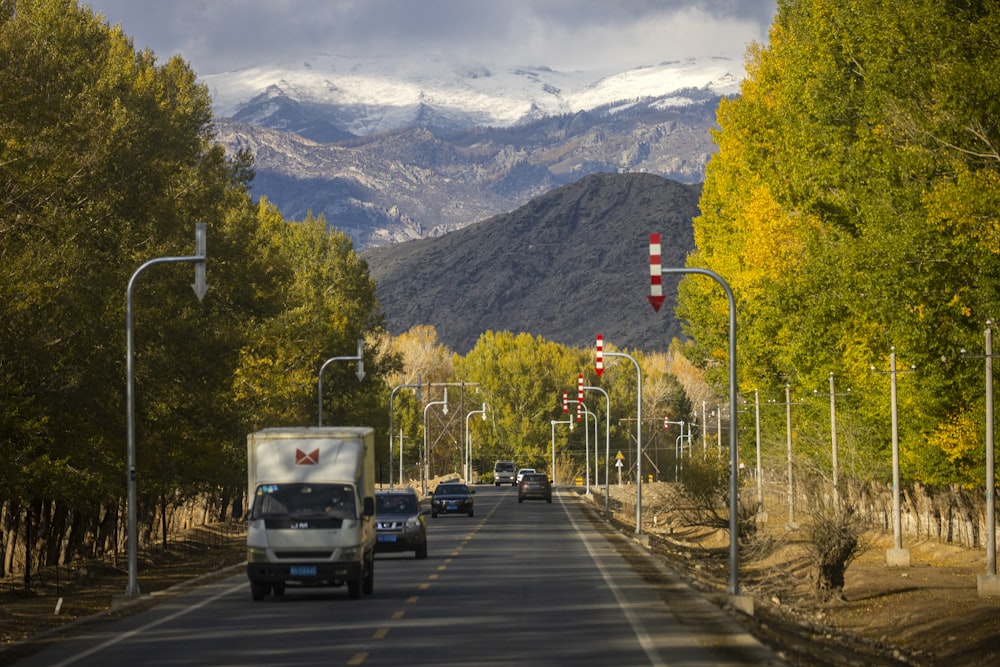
<point>399,523</point>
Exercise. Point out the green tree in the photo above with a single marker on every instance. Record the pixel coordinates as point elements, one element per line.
<point>107,159</point>
<point>522,379</point>
<point>850,204</point>
<point>316,301</point>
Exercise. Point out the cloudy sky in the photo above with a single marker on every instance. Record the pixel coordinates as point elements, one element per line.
<point>216,36</point>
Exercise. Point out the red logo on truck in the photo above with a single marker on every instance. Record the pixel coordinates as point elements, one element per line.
<point>304,459</point>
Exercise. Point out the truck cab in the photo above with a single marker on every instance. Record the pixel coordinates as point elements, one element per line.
<point>312,509</point>
<point>504,472</point>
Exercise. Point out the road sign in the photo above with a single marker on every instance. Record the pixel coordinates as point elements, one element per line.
<point>361,360</point>
<point>600,355</point>
<point>619,456</point>
<point>655,273</point>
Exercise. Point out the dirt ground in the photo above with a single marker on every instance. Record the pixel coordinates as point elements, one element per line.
<point>58,603</point>
<point>928,614</point>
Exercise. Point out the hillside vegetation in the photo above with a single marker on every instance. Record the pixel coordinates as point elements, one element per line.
<point>568,265</point>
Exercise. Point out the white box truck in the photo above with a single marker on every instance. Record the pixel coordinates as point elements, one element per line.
<point>311,519</point>
<point>504,472</point>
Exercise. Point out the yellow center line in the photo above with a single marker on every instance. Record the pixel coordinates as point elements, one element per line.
<point>360,657</point>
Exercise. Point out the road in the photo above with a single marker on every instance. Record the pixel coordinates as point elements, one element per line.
<point>517,584</point>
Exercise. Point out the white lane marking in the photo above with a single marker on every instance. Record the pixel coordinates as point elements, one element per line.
<point>640,633</point>
<point>153,624</point>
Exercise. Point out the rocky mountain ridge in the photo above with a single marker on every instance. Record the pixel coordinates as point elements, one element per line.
<point>566,266</point>
<point>414,183</point>
<point>428,168</point>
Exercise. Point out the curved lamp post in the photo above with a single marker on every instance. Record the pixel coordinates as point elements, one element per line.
<point>468,443</point>
<point>638,439</point>
<point>426,475</point>
<point>607,449</point>
<point>586,431</point>
<point>656,271</point>
<point>200,287</point>
<point>392,397</point>
<point>360,358</point>
<point>552,424</point>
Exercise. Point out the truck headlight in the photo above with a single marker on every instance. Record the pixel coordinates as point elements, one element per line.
<point>255,555</point>
<point>349,553</point>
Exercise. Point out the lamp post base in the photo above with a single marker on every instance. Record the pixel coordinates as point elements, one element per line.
<point>897,557</point>
<point>742,603</point>
<point>988,585</point>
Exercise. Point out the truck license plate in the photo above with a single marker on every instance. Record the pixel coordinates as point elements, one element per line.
<point>303,570</point>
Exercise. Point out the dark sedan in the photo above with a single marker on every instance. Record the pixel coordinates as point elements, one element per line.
<point>534,485</point>
<point>452,498</point>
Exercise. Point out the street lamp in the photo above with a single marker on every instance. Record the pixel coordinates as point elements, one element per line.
<point>360,373</point>
<point>678,446</point>
<point>392,397</point>
<point>656,271</point>
<point>897,556</point>
<point>607,450</point>
<point>586,432</point>
<point>468,442</point>
<point>552,424</point>
<point>638,439</point>
<point>200,287</point>
<point>426,475</point>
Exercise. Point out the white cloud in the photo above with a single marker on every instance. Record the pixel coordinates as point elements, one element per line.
<point>220,35</point>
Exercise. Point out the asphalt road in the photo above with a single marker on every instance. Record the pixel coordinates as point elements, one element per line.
<point>517,584</point>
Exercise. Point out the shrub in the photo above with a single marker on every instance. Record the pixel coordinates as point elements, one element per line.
<point>834,539</point>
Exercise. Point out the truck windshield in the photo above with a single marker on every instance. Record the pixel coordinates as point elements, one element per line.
<point>304,500</point>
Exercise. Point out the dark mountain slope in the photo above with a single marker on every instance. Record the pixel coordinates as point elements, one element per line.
<point>566,266</point>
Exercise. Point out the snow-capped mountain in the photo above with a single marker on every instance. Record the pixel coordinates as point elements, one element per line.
<point>390,151</point>
<point>362,96</point>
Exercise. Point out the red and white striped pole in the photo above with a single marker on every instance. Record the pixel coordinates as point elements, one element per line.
<point>655,273</point>
<point>579,397</point>
<point>600,355</point>
<point>565,403</point>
